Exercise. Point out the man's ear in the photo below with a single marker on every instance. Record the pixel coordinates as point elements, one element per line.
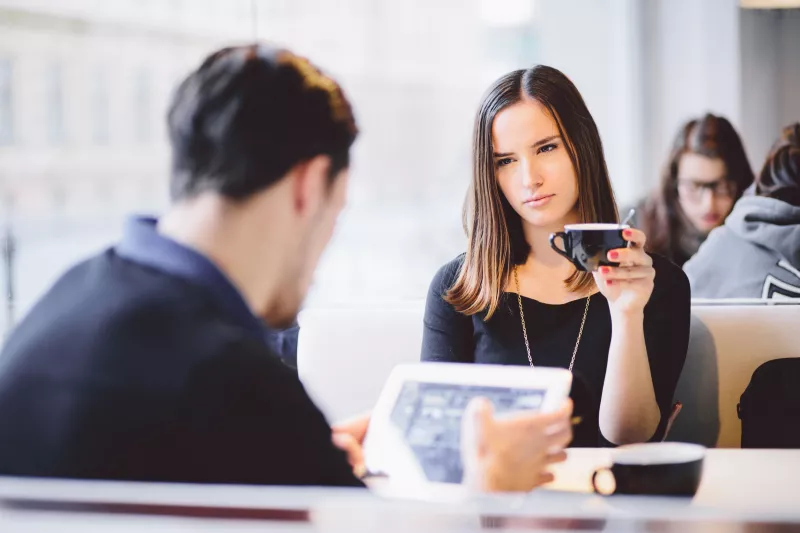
<point>310,184</point>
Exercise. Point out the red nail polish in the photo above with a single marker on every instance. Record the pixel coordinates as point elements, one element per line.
<point>627,233</point>
<point>608,282</point>
<point>613,255</point>
<point>605,270</point>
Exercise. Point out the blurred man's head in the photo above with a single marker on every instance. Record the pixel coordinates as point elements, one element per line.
<point>260,142</point>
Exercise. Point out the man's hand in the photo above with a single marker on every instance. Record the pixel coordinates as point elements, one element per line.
<point>511,453</point>
<point>348,436</point>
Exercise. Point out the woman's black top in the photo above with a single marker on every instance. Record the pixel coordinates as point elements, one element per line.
<point>552,331</point>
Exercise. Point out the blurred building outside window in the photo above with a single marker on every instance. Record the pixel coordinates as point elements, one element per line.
<point>6,102</point>
<point>54,96</point>
<point>99,112</point>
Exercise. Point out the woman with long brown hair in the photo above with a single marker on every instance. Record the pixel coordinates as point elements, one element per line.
<point>707,171</point>
<point>538,165</point>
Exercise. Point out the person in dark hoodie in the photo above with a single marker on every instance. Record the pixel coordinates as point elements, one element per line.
<point>756,254</point>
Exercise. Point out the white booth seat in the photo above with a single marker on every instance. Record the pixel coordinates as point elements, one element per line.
<point>345,355</point>
<point>727,343</point>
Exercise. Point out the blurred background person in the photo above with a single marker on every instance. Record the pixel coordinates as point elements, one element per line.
<point>756,254</point>
<point>707,171</point>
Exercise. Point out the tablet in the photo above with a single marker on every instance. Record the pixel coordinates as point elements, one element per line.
<point>415,429</point>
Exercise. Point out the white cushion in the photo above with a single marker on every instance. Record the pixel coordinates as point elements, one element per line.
<point>345,355</point>
<point>727,344</point>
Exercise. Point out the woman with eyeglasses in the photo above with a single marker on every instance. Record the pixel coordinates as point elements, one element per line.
<point>706,173</point>
<point>756,253</point>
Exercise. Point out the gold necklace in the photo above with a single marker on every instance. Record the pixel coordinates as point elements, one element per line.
<point>525,330</point>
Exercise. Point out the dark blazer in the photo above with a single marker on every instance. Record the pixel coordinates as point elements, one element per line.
<point>126,372</point>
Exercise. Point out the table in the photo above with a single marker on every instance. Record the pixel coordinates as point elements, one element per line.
<point>758,481</point>
<point>741,490</point>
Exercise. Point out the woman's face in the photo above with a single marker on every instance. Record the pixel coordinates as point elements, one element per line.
<point>532,165</point>
<point>705,195</point>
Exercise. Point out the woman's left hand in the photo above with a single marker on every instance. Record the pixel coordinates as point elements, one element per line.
<point>627,287</point>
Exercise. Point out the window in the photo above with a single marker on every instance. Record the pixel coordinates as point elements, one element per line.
<point>54,94</point>
<point>6,97</point>
<point>100,103</point>
<point>142,106</point>
<point>414,70</point>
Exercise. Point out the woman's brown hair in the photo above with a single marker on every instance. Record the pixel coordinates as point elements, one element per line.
<point>495,241</point>
<point>662,219</point>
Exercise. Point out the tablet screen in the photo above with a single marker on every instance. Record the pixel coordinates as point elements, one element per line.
<point>428,416</point>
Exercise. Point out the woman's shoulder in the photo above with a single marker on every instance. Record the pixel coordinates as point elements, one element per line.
<point>438,310</point>
<point>670,281</point>
<point>446,276</point>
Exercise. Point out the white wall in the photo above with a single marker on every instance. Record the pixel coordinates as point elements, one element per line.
<point>760,73</point>
<point>790,66</point>
<point>644,68</point>
<point>770,56</point>
<point>695,69</point>
<point>596,43</point>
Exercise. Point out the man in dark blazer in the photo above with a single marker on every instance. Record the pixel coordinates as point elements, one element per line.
<point>148,361</point>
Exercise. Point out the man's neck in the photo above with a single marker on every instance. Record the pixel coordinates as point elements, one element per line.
<point>219,230</point>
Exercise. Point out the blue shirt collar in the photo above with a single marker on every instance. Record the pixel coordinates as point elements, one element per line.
<point>143,244</point>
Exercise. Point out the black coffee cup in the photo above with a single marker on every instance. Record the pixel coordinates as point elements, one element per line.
<point>662,468</point>
<point>587,245</point>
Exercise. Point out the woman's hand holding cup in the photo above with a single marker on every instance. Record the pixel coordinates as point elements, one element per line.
<point>627,287</point>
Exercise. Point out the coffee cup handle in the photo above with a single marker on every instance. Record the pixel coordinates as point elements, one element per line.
<point>565,251</point>
<point>594,481</point>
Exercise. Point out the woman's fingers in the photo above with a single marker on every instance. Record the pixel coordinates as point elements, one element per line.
<point>630,257</point>
<point>627,273</point>
<point>634,236</point>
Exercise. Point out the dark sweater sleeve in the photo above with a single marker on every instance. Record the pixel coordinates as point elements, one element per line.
<point>251,422</point>
<point>667,318</point>
<point>447,334</point>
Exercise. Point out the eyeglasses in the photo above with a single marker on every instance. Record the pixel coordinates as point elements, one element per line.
<point>695,190</point>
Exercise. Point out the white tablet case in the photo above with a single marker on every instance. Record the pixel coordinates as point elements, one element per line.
<point>414,434</point>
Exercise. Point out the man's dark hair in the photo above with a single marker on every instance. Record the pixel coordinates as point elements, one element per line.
<point>248,115</point>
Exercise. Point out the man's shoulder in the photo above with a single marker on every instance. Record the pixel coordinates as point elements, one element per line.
<point>108,304</point>
<point>107,286</point>
<point>108,276</point>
